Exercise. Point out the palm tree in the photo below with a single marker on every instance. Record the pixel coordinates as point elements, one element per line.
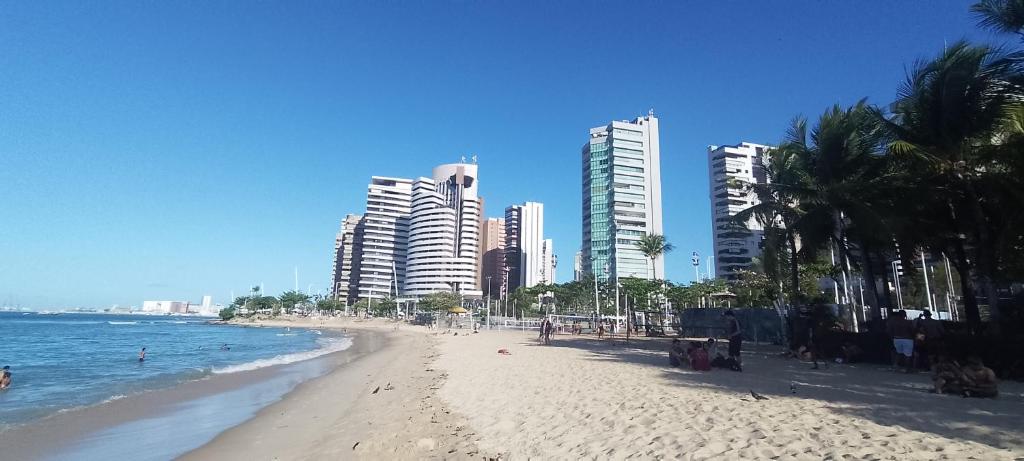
<point>654,246</point>
<point>946,125</point>
<point>778,210</point>
<point>846,189</point>
<point>1006,16</point>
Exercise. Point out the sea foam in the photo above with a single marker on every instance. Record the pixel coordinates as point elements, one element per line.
<point>328,346</point>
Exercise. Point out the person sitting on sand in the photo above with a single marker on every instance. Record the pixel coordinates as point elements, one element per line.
<point>5,378</point>
<point>851,352</point>
<point>946,376</point>
<point>699,357</point>
<point>979,380</point>
<point>676,354</point>
<point>711,346</point>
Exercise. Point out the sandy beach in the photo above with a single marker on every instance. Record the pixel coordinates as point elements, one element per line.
<point>582,398</point>
<point>454,397</point>
<point>381,405</point>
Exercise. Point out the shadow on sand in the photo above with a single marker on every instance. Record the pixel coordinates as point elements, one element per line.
<point>866,391</point>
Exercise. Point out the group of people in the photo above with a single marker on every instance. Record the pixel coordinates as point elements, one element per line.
<point>698,356</point>
<point>704,356</point>
<point>973,379</point>
<point>546,328</point>
<point>914,341</point>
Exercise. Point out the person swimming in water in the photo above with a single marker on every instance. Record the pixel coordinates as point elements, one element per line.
<point>225,347</point>
<point>5,378</point>
<point>142,355</point>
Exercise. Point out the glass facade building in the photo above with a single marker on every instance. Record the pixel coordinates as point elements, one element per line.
<point>621,199</point>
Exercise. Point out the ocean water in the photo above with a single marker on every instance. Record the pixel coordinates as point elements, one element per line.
<point>66,361</point>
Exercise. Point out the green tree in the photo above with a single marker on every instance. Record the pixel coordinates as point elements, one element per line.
<point>1006,16</point>
<point>654,246</point>
<point>946,126</point>
<point>440,301</point>
<point>227,313</point>
<point>290,299</point>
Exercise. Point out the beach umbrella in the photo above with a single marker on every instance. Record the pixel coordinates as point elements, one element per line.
<point>456,310</point>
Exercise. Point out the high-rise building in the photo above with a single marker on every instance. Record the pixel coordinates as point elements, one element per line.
<point>731,169</point>
<point>577,266</point>
<point>345,277</point>
<point>512,274</point>
<point>385,235</point>
<point>524,241</point>
<point>492,247</point>
<point>548,263</point>
<point>444,232</point>
<point>621,198</point>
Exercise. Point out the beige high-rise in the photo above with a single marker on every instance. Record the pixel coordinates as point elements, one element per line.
<point>492,249</point>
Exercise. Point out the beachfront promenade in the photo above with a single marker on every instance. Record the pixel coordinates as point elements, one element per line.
<point>455,397</point>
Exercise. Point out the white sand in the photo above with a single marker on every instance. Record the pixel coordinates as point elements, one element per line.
<point>338,416</point>
<point>586,399</point>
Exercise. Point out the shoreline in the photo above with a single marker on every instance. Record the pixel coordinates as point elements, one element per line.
<point>380,405</point>
<point>97,430</point>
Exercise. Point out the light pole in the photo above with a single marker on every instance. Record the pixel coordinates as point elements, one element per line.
<point>695,259</point>
<point>488,302</point>
<point>927,289</point>
<point>597,312</point>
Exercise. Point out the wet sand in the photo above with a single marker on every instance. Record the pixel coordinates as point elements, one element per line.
<point>380,406</point>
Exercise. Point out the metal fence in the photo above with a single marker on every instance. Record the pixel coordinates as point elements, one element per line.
<point>760,325</point>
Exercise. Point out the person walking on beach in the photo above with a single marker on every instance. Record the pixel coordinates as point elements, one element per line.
<point>142,355</point>
<point>5,378</point>
<point>902,332</point>
<point>732,330</point>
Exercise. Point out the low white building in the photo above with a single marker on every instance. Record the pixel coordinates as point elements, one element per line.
<point>165,307</point>
<point>206,308</point>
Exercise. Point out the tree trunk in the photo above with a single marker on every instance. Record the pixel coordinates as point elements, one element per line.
<point>794,267</point>
<point>963,268</point>
<point>886,292</point>
<point>985,262</point>
<point>869,279</point>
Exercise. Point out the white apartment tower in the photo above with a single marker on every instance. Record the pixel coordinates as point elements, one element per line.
<point>345,276</point>
<point>548,262</point>
<point>524,244</point>
<point>444,232</point>
<point>731,169</point>
<point>621,198</point>
<point>385,233</point>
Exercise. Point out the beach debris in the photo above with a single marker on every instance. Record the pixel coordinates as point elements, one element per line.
<point>757,396</point>
<point>356,445</point>
<point>376,390</point>
<point>504,352</point>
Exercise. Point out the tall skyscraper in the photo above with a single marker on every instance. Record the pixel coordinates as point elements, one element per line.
<point>524,244</point>
<point>577,266</point>
<point>444,232</point>
<point>385,235</point>
<point>492,246</point>
<point>548,263</point>
<point>621,198</point>
<point>730,171</point>
<point>347,247</point>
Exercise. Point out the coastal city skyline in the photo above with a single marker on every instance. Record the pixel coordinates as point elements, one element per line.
<point>129,182</point>
<point>420,230</point>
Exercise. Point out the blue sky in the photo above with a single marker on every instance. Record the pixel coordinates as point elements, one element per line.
<point>166,150</point>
